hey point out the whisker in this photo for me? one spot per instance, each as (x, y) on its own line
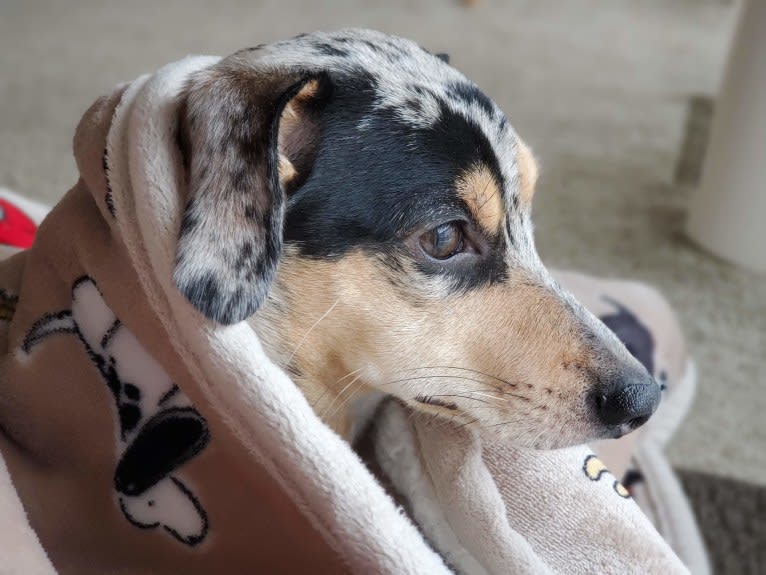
(467, 423)
(459, 377)
(538, 436)
(491, 396)
(327, 389)
(421, 377)
(339, 394)
(496, 378)
(346, 401)
(492, 195)
(305, 335)
(455, 395)
(508, 422)
(488, 406)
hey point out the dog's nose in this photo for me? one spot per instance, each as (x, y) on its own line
(629, 404)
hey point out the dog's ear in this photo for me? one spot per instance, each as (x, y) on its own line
(248, 137)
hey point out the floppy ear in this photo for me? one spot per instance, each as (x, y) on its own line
(247, 135)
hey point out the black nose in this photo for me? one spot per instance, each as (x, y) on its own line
(628, 405)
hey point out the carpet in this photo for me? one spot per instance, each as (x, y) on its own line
(732, 518)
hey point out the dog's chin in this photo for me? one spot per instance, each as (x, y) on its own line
(617, 431)
(546, 441)
(540, 434)
(549, 438)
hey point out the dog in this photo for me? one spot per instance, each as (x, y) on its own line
(367, 209)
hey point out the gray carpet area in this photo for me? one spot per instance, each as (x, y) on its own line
(732, 518)
(600, 90)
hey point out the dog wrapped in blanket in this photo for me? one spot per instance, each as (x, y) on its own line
(344, 208)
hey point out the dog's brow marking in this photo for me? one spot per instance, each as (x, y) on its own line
(528, 171)
(495, 215)
(305, 335)
(479, 190)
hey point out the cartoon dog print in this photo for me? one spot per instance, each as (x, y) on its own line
(159, 429)
(636, 337)
(595, 469)
(639, 341)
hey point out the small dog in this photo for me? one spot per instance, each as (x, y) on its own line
(367, 209)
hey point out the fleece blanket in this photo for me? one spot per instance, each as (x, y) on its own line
(138, 437)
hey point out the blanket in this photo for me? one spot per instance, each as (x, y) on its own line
(136, 436)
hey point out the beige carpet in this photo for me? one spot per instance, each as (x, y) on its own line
(600, 89)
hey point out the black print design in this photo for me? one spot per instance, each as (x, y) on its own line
(159, 429)
(632, 478)
(635, 335)
(109, 197)
(8, 304)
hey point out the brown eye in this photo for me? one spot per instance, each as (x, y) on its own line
(443, 241)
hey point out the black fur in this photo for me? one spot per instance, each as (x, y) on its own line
(372, 187)
(470, 93)
(372, 176)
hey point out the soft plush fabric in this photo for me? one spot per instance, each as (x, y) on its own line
(140, 437)
(645, 322)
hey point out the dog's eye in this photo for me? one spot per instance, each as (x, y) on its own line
(444, 241)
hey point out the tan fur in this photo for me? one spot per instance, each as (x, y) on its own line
(308, 92)
(510, 355)
(291, 116)
(528, 172)
(286, 170)
(480, 192)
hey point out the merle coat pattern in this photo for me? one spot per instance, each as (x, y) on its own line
(367, 209)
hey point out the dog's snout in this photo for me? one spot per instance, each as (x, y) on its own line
(628, 404)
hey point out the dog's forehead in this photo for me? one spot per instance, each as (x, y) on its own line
(415, 85)
(404, 124)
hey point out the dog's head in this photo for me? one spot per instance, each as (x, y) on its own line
(375, 205)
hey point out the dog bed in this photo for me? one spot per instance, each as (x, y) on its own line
(136, 436)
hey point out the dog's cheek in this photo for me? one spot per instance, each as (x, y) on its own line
(499, 347)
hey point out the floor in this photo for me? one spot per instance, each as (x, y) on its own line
(732, 518)
(599, 89)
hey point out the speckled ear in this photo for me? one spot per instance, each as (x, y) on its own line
(238, 164)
